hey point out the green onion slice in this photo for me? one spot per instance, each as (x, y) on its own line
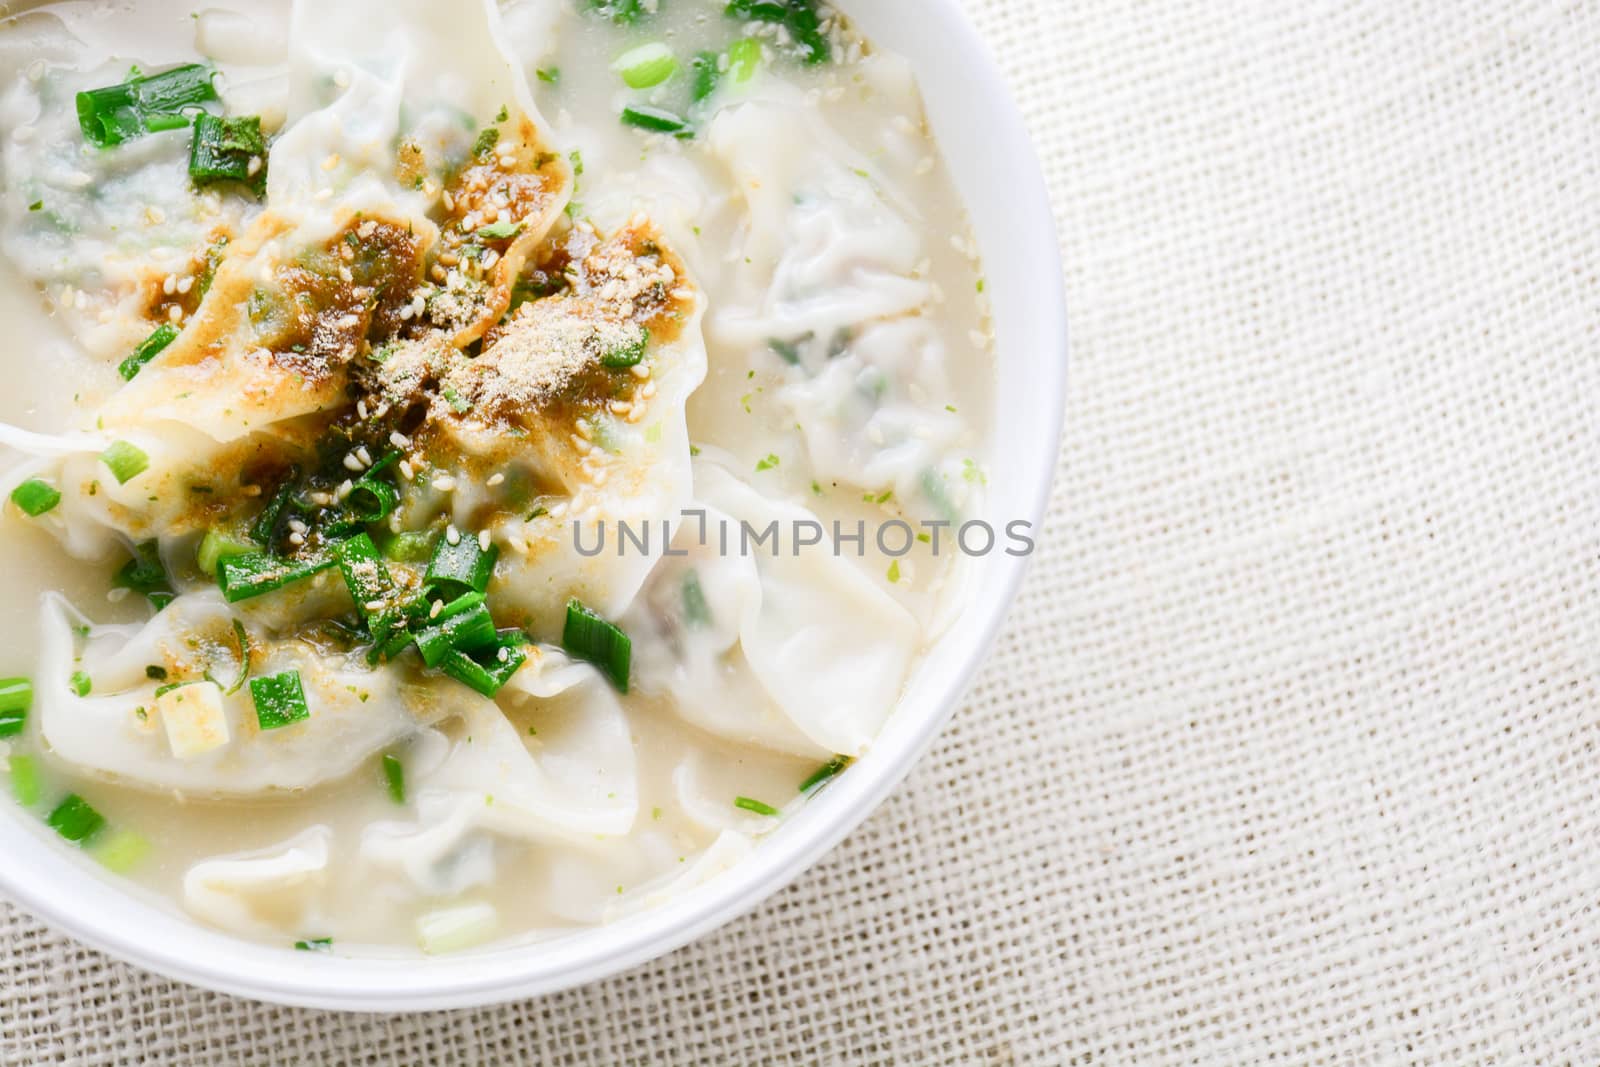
(16, 697)
(756, 806)
(25, 782)
(280, 700)
(148, 349)
(80, 683)
(707, 73)
(126, 461)
(394, 775)
(654, 119)
(465, 566)
(314, 944)
(488, 672)
(35, 497)
(122, 851)
(74, 819)
(647, 66)
(145, 104)
(365, 574)
(256, 574)
(217, 546)
(744, 59)
(591, 638)
(464, 625)
(825, 774)
(229, 150)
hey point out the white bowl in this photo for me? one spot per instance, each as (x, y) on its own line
(988, 151)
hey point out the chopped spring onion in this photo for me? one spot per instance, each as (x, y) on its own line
(465, 566)
(35, 497)
(744, 59)
(314, 944)
(25, 784)
(756, 806)
(144, 104)
(654, 119)
(499, 231)
(629, 354)
(266, 524)
(788, 351)
(696, 612)
(452, 929)
(121, 852)
(394, 775)
(487, 672)
(647, 66)
(280, 700)
(243, 577)
(707, 67)
(799, 17)
(148, 349)
(80, 683)
(825, 774)
(589, 637)
(464, 625)
(217, 546)
(16, 697)
(229, 150)
(74, 819)
(365, 574)
(411, 546)
(125, 460)
(372, 499)
(146, 574)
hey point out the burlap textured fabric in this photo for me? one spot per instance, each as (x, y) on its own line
(1291, 752)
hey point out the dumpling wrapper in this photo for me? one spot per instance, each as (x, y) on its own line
(576, 780)
(262, 892)
(103, 733)
(829, 648)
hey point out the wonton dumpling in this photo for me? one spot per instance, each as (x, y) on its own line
(875, 416)
(355, 712)
(574, 780)
(830, 649)
(837, 243)
(263, 891)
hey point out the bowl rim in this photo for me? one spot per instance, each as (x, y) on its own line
(94, 910)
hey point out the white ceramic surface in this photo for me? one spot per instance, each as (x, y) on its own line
(989, 153)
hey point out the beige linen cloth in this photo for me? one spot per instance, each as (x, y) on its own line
(1291, 750)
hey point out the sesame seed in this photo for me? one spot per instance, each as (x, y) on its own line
(438, 606)
(351, 463)
(186, 284)
(374, 605)
(483, 540)
(407, 470)
(444, 483)
(169, 285)
(367, 229)
(495, 479)
(399, 440)
(452, 535)
(297, 539)
(364, 456)
(346, 487)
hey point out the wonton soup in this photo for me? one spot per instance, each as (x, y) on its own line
(472, 470)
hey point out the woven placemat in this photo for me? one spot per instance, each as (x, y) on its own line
(1289, 753)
